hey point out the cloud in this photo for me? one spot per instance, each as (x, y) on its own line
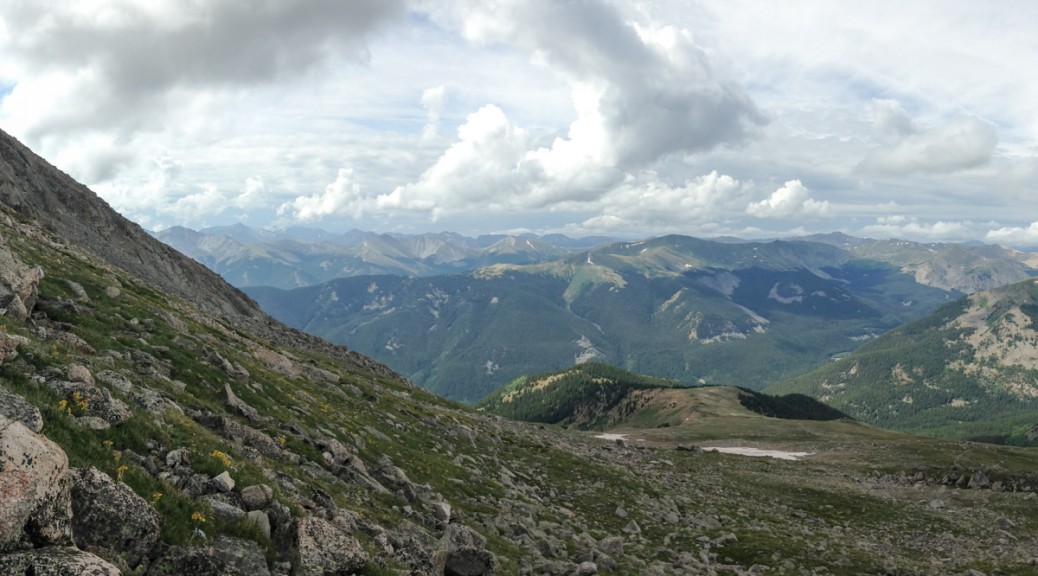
(902, 226)
(905, 148)
(640, 94)
(791, 200)
(1014, 235)
(433, 102)
(340, 197)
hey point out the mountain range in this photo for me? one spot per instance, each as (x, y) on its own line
(296, 257)
(720, 312)
(154, 421)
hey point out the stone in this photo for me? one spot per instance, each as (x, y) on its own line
(632, 528)
(612, 546)
(79, 373)
(113, 292)
(324, 549)
(78, 291)
(34, 488)
(8, 347)
(111, 519)
(223, 510)
(256, 497)
(115, 380)
(223, 482)
(979, 480)
(237, 405)
(936, 503)
(56, 561)
(225, 557)
(19, 409)
(587, 569)
(261, 521)
(442, 511)
(462, 553)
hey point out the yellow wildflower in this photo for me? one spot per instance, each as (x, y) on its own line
(197, 517)
(155, 498)
(119, 472)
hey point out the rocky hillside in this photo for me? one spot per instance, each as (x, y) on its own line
(967, 370)
(46, 196)
(145, 433)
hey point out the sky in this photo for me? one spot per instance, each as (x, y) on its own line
(912, 119)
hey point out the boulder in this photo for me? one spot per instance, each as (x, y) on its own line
(56, 561)
(261, 521)
(462, 553)
(238, 406)
(111, 519)
(226, 557)
(257, 496)
(19, 409)
(8, 347)
(223, 482)
(34, 489)
(324, 549)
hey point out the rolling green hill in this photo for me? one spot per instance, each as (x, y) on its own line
(595, 395)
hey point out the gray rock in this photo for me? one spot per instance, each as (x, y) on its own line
(8, 347)
(979, 480)
(115, 380)
(612, 546)
(324, 549)
(178, 458)
(237, 405)
(34, 488)
(632, 528)
(109, 517)
(587, 569)
(257, 496)
(78, 291)
(223, 482)
(226, 557)
(261, 521)
(462, 553)
(223, 510)
(79, 373)
(56, 561)
(442, 511)
(19, 409)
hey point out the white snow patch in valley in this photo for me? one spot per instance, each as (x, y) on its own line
(780, 454)
(611, 436)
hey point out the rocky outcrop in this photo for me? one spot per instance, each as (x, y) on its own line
(19, 409)
(34, 489)
(19, 284)
(324, 549)
(110, 519)
(56, 561)
(225, 557)
(463, 553)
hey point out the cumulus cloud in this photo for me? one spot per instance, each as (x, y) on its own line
(640, 93)
(791, 200)
(902, 226)
(905, 148)
(1014, 235)
(340, 197)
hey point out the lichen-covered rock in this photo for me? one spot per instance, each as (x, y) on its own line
(19, 409)
(226, 557)
(8, 347)
(462, 553)
(34, 488)
(56, 561)
(110, 518)
(324, 549)
(257, 496)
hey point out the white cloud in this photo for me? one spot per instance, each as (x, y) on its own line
(1014, 235)
(433, 100)
(905, 148)
(791, 200)
(340, 197)
(902, 226)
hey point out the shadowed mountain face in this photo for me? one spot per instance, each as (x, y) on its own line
(42, 193)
